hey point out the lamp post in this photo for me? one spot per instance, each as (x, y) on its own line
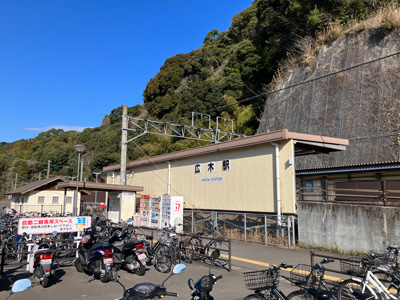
(79, 148)
(95, 196)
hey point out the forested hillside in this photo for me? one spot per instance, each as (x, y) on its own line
(225, 77)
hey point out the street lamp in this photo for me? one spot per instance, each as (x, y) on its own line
(97, 174)
(79, 148)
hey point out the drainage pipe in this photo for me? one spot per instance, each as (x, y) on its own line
(277, 184)
(169, 178)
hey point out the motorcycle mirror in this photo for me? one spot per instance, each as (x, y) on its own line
(21, 285)
(179, 268)
(191, 283)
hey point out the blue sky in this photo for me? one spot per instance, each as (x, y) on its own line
(67, 63)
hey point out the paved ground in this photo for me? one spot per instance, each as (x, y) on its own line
(69, 284)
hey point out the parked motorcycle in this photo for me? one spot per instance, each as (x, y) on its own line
(130, 255)
(96, 258)
(203, 287)
(146, 290)
(42, 264)
(41, 261)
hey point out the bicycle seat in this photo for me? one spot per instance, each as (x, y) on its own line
(320, 295)
(200, 233)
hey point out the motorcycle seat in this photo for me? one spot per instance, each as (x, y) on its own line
(132, 244)
(118, 244)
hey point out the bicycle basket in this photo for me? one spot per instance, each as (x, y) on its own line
(352, 266)
(384, 257)
(260, 280)
(163, 237)
(300, 274)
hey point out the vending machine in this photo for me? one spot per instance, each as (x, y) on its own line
(166, 210)
(176, 211)
(155, 212)
(144, 210)
(171, 210)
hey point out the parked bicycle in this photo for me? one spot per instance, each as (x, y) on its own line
(168, 251)
(311, 281)
(369, 286)
(203, 251)
(265, 283)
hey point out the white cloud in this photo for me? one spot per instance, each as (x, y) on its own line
(64, 127)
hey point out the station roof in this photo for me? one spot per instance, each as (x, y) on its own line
(366, 167)
(39, 184)
(93, 186)
(305, 144)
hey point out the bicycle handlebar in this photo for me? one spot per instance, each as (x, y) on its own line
(327, 260)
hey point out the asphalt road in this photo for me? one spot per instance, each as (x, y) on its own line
(69, 284)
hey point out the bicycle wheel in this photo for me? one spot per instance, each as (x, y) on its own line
(352, 290)
(300, 295)
(188, 255)
(163, 259)
(222, 247)
(198, 248)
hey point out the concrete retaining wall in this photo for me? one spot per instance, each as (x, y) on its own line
(348, 227)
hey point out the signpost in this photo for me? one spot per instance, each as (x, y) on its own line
(49, 225)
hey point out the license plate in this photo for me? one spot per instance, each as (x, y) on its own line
(142, 256)
(108, 261)
(45, 261)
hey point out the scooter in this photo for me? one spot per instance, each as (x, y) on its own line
(146, 290)
(203, 287)
(41, 262)
(95, 258)
(128, 254)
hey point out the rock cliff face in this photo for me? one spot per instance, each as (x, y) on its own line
(352, 91)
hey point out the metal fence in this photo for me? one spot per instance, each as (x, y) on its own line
(373, 192)
(248, 227)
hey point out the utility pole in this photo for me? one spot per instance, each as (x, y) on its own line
(124, 139)
(15, 183)
(95, 195)
(48, 168)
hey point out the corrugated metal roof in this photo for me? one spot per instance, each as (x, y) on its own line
(273, 136)
(34, 185)
(366, 167)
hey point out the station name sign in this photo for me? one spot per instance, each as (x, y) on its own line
(213, 179)
(49, 225)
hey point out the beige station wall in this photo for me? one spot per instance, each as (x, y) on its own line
(248, 186)
(30, 202)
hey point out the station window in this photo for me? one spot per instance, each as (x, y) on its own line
(55, 200)
(41, 199)
(68, 200)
